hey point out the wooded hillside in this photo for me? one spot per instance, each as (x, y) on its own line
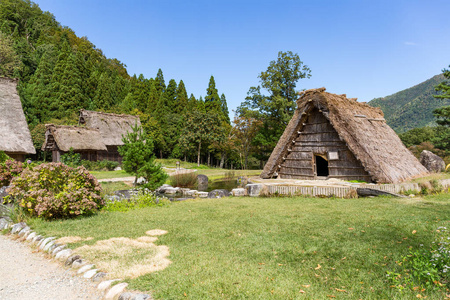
(61, 73)
(413, 107)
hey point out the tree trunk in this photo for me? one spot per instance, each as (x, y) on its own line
(160, 153)
(198, 153)
(222, 160)
(209, 159)
(246, 161)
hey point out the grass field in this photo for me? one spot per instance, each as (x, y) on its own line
(272, 248)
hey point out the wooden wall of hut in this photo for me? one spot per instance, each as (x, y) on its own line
(112, 154)
(318, 152)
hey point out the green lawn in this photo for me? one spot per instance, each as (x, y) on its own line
(109, 174)
(273, 248)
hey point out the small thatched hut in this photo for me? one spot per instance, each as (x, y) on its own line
(111, 127)
(15, 137)
(331, 136)
(60, 139)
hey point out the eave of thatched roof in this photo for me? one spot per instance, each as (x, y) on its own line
(365, 132)
(112, 127)
(78, 138)
(15, 136)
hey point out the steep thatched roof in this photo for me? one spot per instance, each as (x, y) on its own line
(78, 138)
(15, 136)
(111, 126)
(364, 130)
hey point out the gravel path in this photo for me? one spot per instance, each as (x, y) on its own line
(26, 274)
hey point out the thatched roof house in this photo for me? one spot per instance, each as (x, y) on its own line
(15, 137)
(111, 126)
(331, 136)
(60, 139)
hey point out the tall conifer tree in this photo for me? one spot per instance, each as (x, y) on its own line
(212, 99)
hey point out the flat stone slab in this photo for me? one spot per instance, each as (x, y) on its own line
(104, 285)
(64, 254)
(85, 268)
(115, 291)
(219, 193)
(254, 189)
(201, 194)
(89, 274)
(238, 192)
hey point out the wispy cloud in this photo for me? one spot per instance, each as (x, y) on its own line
(409, 43)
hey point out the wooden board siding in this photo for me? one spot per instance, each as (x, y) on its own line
(112, 154)
(318, 137)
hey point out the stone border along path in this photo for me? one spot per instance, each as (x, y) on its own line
(105, 288)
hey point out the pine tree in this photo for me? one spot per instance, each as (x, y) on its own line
(169, 96)
(192, 103)
(181, 99)
(160, 83)
(225, 111)
(36, 95)
(138, 158)
(104, 98)
(212, 99)
(201, 105)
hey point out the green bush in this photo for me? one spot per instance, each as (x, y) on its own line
(8, 170)
(3, 157)
(71, 159)
(142, 199)
(54, 190)
(104, 165)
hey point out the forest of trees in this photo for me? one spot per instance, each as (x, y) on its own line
(60, 73)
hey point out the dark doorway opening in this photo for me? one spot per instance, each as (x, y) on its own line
(321, 166)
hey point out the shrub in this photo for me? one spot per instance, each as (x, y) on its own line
(108, 165)
(104, 165)
(8, 170)
(71, 159)
(54, 190)
(3, 157)
(186, 180)
(144, 198)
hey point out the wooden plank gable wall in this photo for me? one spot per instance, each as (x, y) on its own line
(318, 146)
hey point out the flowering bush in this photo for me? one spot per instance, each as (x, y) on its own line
(54, 190)
(8, 170)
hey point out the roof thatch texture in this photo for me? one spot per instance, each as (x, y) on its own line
(364, 130)
(111, 126)
(78, 138)
(15, 136)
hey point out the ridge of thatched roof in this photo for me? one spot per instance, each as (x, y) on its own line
(111, 126)
(364, 130)
(15, 135)
(78, 138)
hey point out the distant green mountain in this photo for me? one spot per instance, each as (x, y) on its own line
(413, 107)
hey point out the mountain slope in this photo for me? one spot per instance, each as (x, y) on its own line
(413, 107)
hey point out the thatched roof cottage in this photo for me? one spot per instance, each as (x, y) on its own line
(112, 128)
(331, 136)
(15, 137)
(97, 139)
(61, 139)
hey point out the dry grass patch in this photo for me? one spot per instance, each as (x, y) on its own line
(127, 258)
(156, 232)
(72, 239)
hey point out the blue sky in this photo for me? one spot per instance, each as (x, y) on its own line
(365, 49)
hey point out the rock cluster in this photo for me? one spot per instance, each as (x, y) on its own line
(74, 261)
